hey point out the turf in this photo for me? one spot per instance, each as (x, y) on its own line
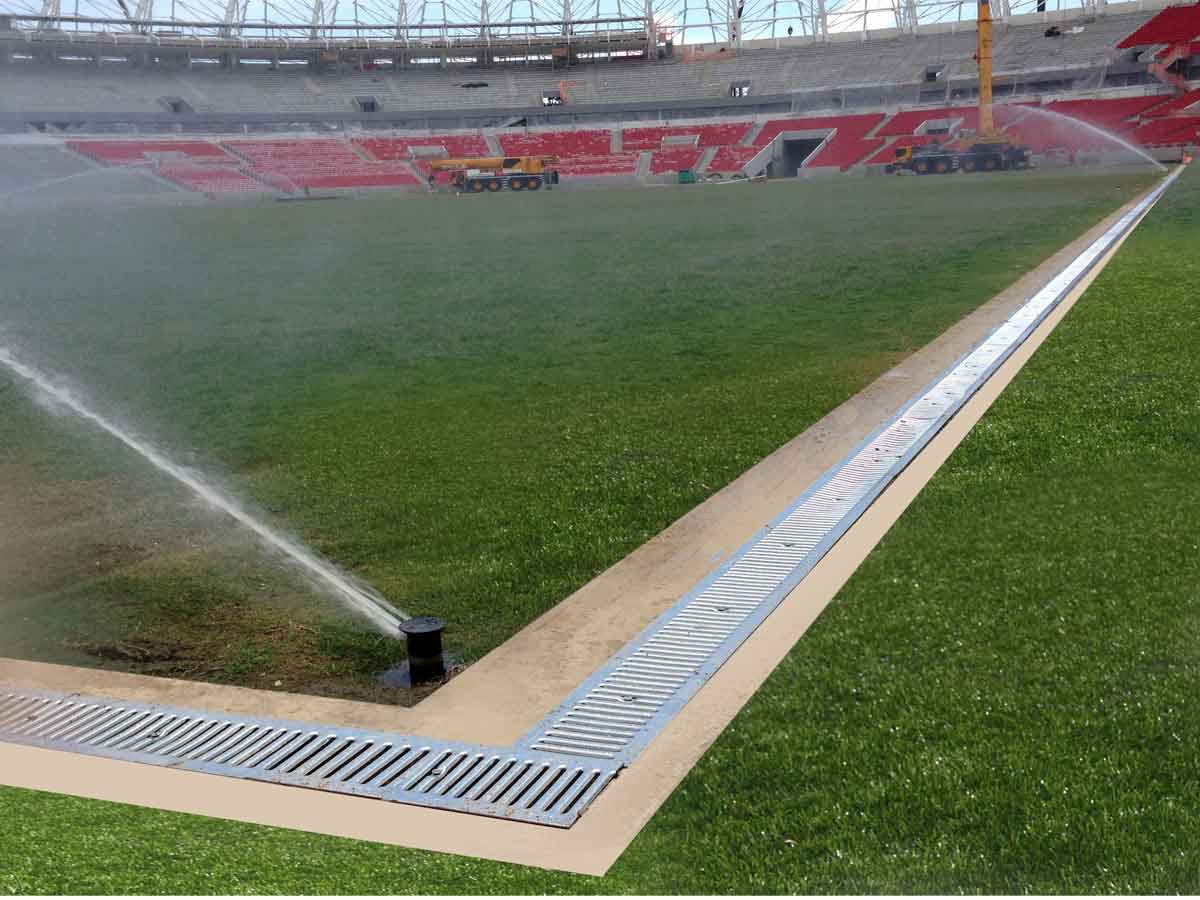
(1002, 699)
(474, 405)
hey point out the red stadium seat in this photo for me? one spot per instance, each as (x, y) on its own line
(320, 163)
(715, 135)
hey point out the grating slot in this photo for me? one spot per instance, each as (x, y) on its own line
(180, 735)
(101, 730)
(264, 741)
(353, 751)
(574, 731)
(211, 729)
(542, 785)
(407, 758)
(553, 746)
(490, 780)
(353, 774)
(131, 736)
(553, 798)
(433, 768)
(239, 737)
(575, 791)
(465, 767)
(17, 709)
(502, 784)
(333, 749)
(163, 732)
(522, 785)
(299, 740)
(211, 736)
(310, 751)
(74, 727)
(66, 719)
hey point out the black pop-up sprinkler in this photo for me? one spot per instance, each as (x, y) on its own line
(423, 635)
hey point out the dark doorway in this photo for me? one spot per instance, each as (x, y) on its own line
(795, 152)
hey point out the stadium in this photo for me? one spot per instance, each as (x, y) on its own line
(673, 448)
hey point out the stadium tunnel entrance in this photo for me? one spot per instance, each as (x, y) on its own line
(790, 149)
(793, 152)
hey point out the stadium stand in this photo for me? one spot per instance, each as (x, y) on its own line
(1173, 25)
(401, 148)
(846, 63)
(720, 135)
(211, 179)
(564, 144)
(318, 164)
(1110, 114)
(674, 159)
(1178, 104)
(623, 164)
(731, 160)
(1168, 132)
(123, 153)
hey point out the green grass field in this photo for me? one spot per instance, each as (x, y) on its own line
(1002, 699)
(474, 405)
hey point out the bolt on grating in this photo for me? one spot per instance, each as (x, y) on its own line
(553, 774)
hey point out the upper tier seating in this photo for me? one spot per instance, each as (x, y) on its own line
(319, 164)
(722, 135)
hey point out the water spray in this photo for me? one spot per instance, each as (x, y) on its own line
(1097, 130)
(366, 603)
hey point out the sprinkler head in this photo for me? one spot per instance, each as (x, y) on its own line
(423, 636)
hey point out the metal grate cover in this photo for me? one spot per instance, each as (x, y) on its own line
(529, 787)
(558, 769)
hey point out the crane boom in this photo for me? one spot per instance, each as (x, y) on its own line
(983, 54)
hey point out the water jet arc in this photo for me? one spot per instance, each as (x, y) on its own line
(375, 609)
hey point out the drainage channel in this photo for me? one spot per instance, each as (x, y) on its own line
(555, 771)
(548, 789)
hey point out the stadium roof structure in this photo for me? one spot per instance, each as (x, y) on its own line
(443, 23)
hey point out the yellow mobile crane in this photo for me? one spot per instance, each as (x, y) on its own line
(988, 149)
(494, 173)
